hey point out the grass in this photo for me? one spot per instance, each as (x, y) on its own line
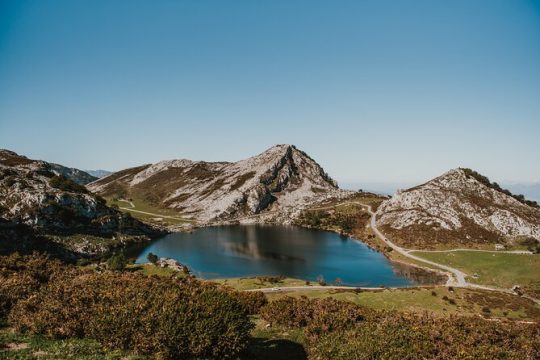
(174, 218)
(260, 283)
(467, 301)
(19, 346)
(274, 342)
(149, 270)
(496, 269)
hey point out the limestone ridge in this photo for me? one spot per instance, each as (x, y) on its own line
(10, 158)
(280, 180)
(458, 208)
(33, 196)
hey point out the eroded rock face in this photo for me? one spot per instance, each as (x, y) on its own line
(277, 181)
(10, 158)
(455, 208)
(29, 196)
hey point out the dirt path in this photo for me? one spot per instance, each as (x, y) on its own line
(458, 278)
(312, 287)
(519, 252)
(132, 208)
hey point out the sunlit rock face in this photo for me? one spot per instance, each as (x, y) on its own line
(456, 208)
(30, 197)
(272, 186)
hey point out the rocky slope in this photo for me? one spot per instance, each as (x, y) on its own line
(272, 186)
(34, 201)
(459, 208)
(10, 158)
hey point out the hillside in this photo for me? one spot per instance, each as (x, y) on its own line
(10, 158)
(37, 203)
(272, 186)
(459, 208)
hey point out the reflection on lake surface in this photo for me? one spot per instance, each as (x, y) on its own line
(241, 251)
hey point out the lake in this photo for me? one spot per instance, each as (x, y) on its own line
(255, 250)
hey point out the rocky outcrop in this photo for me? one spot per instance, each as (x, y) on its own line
(10, 158)
(456, 209)
(33, 197)
(271, 186)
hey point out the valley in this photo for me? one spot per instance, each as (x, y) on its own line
(274, 229)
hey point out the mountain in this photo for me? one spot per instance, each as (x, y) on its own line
(461, 207)
(98, 173)
(272, 185)
(10, 158)
(34, 198)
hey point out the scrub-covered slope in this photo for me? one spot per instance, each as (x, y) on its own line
(34, 198)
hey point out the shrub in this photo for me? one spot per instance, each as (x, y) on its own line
(288, 311)
(324, 314)
(251, 301)
(271, 279)
(21, 276)
(117, 262)
(62, 183)
(153, 258)
(342, 330)
(150, 315)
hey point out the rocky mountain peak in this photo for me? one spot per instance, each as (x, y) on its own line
(461, 206)
(281, 177)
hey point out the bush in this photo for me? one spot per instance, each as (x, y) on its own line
(394, 336)
(117, 262)
(21, 276)
(251, 301)
(325, 314)
(153, 258)
(288, 311)
(150, 315)
(342, 330)
(62, 183)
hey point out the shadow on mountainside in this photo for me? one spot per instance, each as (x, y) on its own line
(263, 349)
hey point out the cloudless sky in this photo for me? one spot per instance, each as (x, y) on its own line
(391, 91)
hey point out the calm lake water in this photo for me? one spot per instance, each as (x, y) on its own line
(242, 251)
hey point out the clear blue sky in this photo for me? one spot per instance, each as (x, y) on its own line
(396, 91)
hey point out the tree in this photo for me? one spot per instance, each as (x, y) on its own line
(153, 258)
(320, 280)
(338, 281)
(117, 262)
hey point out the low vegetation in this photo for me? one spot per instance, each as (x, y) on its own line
(485, 181)
(57, 310)
(62, 183)
(337, 330)
(165, 317)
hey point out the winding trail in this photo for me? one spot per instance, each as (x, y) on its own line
(132, 208)
(458, 278)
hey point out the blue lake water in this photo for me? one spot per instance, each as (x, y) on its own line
(242, 251)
